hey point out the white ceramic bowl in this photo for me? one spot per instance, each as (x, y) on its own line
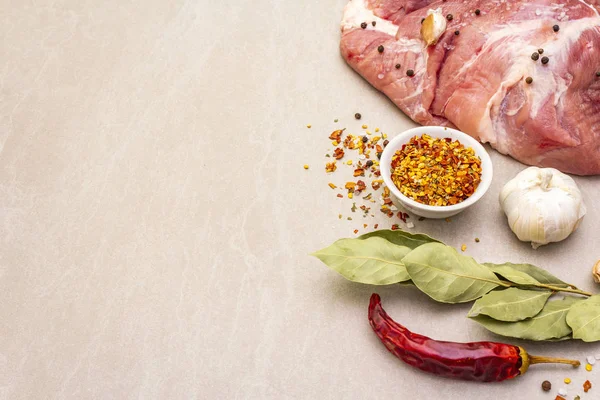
(436, 132)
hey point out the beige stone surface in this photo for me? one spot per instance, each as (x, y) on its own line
(156, 220)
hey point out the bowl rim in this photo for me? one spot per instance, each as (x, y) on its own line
(396, 142)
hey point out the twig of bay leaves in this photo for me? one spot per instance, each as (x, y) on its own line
(511, 299)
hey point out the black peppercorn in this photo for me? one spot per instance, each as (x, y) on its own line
(380, 48)
(365, 139)
(477, 12)
(457, 33)
(545, 60)
(357, 116)
(541, 51)
(529, 80)
(535, 56)
(374, 23)
(363, 25)
(369, 163)
(556, 28)
(410, 72)
(449, 17)
(398, 66)
(546, 386)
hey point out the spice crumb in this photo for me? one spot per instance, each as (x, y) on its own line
(309, 126)
(577, 398)
(588, 367)
(376, 226)
(448, 220)
(331, 185)
(336, 120)
(477, 240)
(567, 380)
(355, 231)
(305, 166)
(587, 386)
(463, 247)
(364, 126)
(477, 12)
(339, 216)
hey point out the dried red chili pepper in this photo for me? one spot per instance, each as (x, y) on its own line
(477, 361)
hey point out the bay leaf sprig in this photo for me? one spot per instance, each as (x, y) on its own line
(510, 299)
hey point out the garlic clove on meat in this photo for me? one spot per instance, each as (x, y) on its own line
(542, 205)
(433, 26)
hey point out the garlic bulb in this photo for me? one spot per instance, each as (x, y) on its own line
(433, 26)
(543, 205)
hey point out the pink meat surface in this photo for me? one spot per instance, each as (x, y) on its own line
(476, 80)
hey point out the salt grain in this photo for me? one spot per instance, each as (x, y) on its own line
(562, 392)
(591, 360)
(410, 225)
(380, 76)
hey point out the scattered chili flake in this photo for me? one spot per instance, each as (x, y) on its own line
(395, 227)
(546, 386)
(350, 185)
(587, 386)
(436, 172)
(338, 153)
(331, 185)
(337, 134)
(363, 25)
(357, 116)
(529, 80)
(330, 167)
(355, 231)
(463, 247)
(340, 196)
(477, 240)
(360, 185)
(545, 60)
(477, 12)
(376, 226)
(305, 166)
(559, 397)
(359, 172)
(365, 225)
(556, 28)
(535, 56)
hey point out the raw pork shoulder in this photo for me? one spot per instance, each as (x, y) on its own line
(474, 78)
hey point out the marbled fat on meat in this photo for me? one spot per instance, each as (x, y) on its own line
(475, 81)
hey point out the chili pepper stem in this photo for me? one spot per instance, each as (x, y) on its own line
(552, 360)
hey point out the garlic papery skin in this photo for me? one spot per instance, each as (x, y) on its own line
(543, 205)
(433, 26)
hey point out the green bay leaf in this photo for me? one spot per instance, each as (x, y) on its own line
(511, 304)
(584, 319)
(446, 276)
(526, 274)
(373, 261)
(401, 238)
(549, 324)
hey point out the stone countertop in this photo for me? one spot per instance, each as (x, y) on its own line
(156, 218)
